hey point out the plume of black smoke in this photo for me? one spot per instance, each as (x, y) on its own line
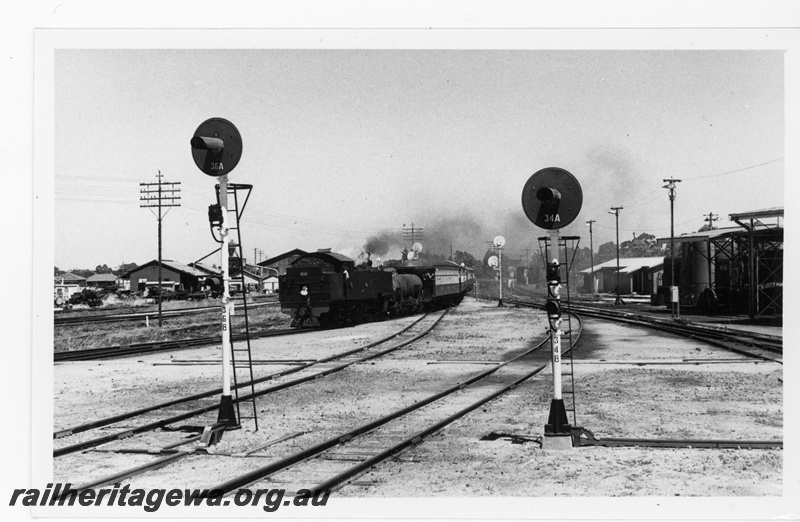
(609, 177)
(459, 231)
(381, 243)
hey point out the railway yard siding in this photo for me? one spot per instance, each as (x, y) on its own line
(630, 382)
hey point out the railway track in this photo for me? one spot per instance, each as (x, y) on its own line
(139, 316)
(124, 350)
(309, 371)
(352, 452)
(751, 344)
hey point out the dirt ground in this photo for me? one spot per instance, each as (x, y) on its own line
(629, 382)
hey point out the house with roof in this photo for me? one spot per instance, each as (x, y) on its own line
(252, 281)
(174, 276)
(637, 275)
(105, 281)
(269, 284)
(70, 278)
(66, 285)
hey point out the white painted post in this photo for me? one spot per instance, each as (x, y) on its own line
(500, 269)
(226, 280)
(555, 325)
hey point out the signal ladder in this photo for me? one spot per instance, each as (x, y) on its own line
(241, 357)
(568, 369)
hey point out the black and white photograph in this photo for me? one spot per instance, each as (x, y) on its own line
(408, 273)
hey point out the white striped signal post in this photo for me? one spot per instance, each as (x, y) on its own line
(227, 307)
(499, 243)
(216, 149)
(552, 199)
(553, 309)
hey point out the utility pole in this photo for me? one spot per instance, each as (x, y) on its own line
(412, 233)
(675, 304)
(527, 263)
(162, 194)
(257, 255)
(615, 211)
(591, 252)
(710, 220)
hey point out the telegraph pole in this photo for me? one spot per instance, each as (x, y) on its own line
(710, 220)
(675, 304)
(412, 233)
(615, 211)
(591, 251)
(162, 194)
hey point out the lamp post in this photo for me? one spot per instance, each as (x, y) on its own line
(591, 253)
(499, 242)
(615, 211)
(675, 304)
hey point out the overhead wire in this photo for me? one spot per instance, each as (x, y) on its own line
(733, 171)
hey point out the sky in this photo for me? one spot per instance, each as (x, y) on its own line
(346, 147)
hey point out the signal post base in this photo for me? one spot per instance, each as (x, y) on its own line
(557, 431)
(227, 413)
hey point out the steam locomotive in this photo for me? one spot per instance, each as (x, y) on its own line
(324, 288)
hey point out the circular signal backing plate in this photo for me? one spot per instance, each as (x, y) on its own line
(417, 247)
(499, 241)
(492, 261)
(217, 163)
(543, 208)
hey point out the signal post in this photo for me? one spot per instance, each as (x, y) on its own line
(552, 199)
(216, 149)
(227, 413)
(557, 422)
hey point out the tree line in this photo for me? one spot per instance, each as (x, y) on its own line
(643, 245)
(99, 269)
